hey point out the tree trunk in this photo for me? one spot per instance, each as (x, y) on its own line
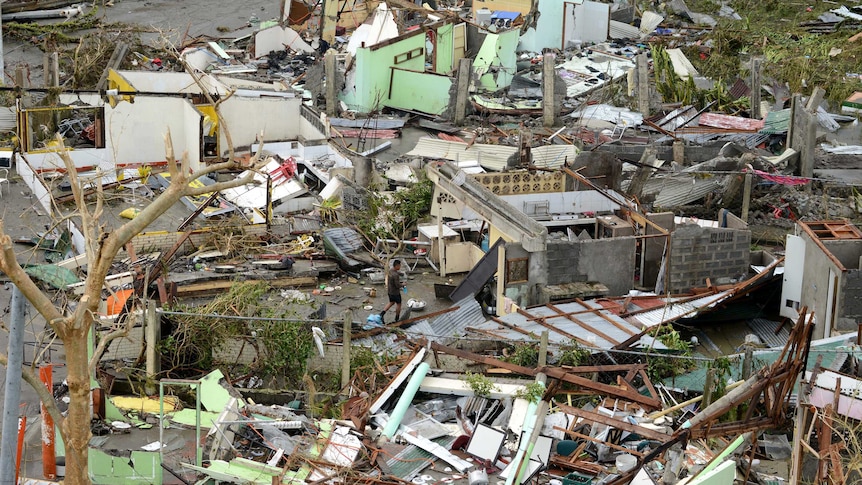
(77, 422)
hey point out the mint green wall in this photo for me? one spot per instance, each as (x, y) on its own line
(420, 91)
(445, 45)
(108, 469)
(368, 85)
(497, 52)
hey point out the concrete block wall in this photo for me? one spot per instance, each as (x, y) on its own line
(562, 260)
(129, 347)
(851, 302)
(609, 261)
(698, 253)
(163, 240)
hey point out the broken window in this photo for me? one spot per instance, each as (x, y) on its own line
(79, 127)
(516, 270)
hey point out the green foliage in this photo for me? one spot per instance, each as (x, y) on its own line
(391, 215)
(282, 340)
(676, 90)
(658, 367)
(532, 392)
(722, 368)
(573, 355)
(771, 29)
(524, 354)
(481, 385)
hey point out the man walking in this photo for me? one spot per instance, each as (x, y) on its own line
(393, 288)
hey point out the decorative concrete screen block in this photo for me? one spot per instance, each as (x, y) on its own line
(522, 182)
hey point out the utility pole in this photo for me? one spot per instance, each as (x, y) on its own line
(12, 393)
(2, 57)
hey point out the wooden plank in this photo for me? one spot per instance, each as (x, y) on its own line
(221, 285)
(585, 325)
(556, 373)
(615, 423)
(610, 320)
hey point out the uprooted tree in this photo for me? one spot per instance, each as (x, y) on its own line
(102, 246)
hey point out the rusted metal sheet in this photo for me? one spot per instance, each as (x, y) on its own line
(728, 122)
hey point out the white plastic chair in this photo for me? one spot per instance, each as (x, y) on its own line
(4, 179)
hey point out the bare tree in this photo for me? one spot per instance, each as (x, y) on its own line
(102, 246)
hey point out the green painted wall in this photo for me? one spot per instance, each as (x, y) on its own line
(368, 88)
(145, 468)
(496, 60)
(444, 49)
(420, 91)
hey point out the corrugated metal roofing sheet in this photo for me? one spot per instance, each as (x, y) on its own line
(765, 330)
(680, 190)
(676, 308)
(589, 324)
(442, 329)
(553, 156)
(777, 122)
(621, 30)
(412, 460)
(491, 157)
(829, 350)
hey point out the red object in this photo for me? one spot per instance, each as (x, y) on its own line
(49, 460)
(444, 136)
(285, 171)
(22, 426)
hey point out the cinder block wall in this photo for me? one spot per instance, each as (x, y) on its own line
(610, 261)
(698, 253)
(562, 260)
(164, 240)
(851, 301)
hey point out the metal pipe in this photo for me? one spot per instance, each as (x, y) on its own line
(406, 399)
(12, 394)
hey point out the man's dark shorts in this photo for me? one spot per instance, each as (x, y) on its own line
(396, 298)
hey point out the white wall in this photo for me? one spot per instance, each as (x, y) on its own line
(135, 131)
(87, 159)
(245, 118)
(26, 169)
(168, 82)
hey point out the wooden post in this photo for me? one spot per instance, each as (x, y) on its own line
(543, 349)
(462, 94)
(679, 152)
(51, 69)
(345, 342)
(755, 87)
(746, 197)
(549, 108)
(707, 387)
(20, 77)
(153, 331)
(501, 277)
(747, 362)
(441, 248)
(642, 70)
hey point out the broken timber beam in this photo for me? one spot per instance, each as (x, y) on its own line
(216, 286)
(565, 375)
(615, 423)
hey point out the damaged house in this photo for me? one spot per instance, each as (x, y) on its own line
(564, 244)
(824, 273)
